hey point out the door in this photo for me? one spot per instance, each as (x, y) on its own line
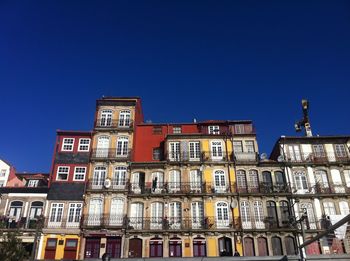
(135, 248)
(267, 181)
(175, 248)
(220, 181)
(248, 246)
(136, 215)
(99, 177)
(225, 246)
(262, 246)
(216, 150)
(276, 246)
(156, 248)
(197, 215)
(222, 215)
(95, 212)
(194, 151)
(102, 147)
(124, 118)
(122, 146)
(50, 249)
(70, 249)
(175, 215)
(157, 215)
(92, 248)
(174, 181)
(199, 247)
(114, 247)
(138, 182)
(195, 180)
(117, 212)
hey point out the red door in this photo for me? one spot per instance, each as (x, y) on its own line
(175, 248)
(70, 249)
(249, 246)
(199, 248)
(92, 248)
(262, 246)
(50, 249)
(114, 246)
(135, 247)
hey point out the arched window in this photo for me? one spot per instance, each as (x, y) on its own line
(119, 177)
(272, 214)
(285, 213)
(248, 246)
(267, 182)
(106, 118)
(117, 212)
(276, 245)
(122, 146)
(100, 174)
(245, 215)
(174, 181)
(321, 181)
(241, 181)
(95, 212)
(290, 245)
(36, 209)
(175, 215)
(222, 215)
(157, 213)
(102, 147)
(253, 181)
(300, 180)
(136, 215)
(262, 246)
(124, 118)
(220, 181)
(259, 215)
(16, 210)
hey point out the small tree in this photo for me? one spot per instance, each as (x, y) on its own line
(11, 248)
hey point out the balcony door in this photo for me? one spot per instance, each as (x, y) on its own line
(102, 147)
(197, 215)
(136, 215)
(294, 153)
(137, 182)
(122, 146)
(174, 184)
(157, 210)
(220, 181)
(16, 211)
(308, 209)
(222, 215)
(117, 212)
(174, 151)
(216, 150)
(194, 151)
(106, 118)
(95, 212)
(99, 177)
(124, 118)
(195, 180)
(259, 215)
(175, 215)
(245, 215)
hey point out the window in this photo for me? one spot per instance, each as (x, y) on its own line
(329, 208)
(56, 212)
(67, 144)
(122, 146)
(241, 181)
(16, 210)
(344, 208)
(249, 146)
(340, 150)
(156, 154)
(197, 214)
(222, 217)
(347, 177)
(253, 180)
(319, 151)
(321, 178)
(177, 130)
(136, 215)
(157, 210)
(245, 214)
(259, 214)
(2, 183)
(194, 150)
(237, 146)
(119, 177)
(84, 144)
(74, 212)
(174, 184)
(272, 213)
(124, 118)
(175, 215)
(36, 209)
(216, 150)
(117, 212)
(300, 180)
(239, 129)
(157, 129)
(99, 177)
(33, 183)
(196, 180)
(72, 243)
(174, 151)
(62, 173)
(285, 212)
(220, 182)
(3, 173)
(294, 152)
(102, 147)
(106, 118)
(79, 173)
(95, 212)
(213, 129)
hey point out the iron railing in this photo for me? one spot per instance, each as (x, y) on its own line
(107, 184)
(18, 223)
(104, 221)
(118, 123)
(111, 154)
(264, 188)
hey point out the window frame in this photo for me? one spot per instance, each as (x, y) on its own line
(64, 141)
(33, 183)
(58, 172)
(75, 173)
(80, 144)
(214, 129)
(177, 130)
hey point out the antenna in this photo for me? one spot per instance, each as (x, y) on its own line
(280, 158)
(304, 122)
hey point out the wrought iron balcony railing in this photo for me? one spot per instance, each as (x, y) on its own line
(104, 221)
(22, 223)
(59, 222)
(104, 123)
(106, 184)
(245, 156)
(111, 154)
(186, 156)
(320, 189)
(264, 188)
(318, 158)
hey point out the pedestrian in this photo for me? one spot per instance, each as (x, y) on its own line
(236, 253)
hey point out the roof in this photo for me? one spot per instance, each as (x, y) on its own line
(73, 132)
(26, 190)
(66, 191)
(195, 123)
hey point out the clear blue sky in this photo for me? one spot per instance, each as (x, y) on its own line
(185, 59)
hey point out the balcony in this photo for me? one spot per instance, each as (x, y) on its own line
(178, 188)
(265, 188)
(246, 157)
(318, 158)
(110, 154)
(106, 124)
(106, 184)
(319, 189)
(204, 156)
(178, 223)
(23, 223)
(104, 221)
(265, 223)
(60, 223)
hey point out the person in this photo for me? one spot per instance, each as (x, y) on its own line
(106, 257)
(154, 184)
(236, 253)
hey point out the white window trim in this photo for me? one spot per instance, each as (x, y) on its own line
(75, 168)
(33, 183)
(58, 167)
(214, 129)
(63, 143)
(88, 145)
